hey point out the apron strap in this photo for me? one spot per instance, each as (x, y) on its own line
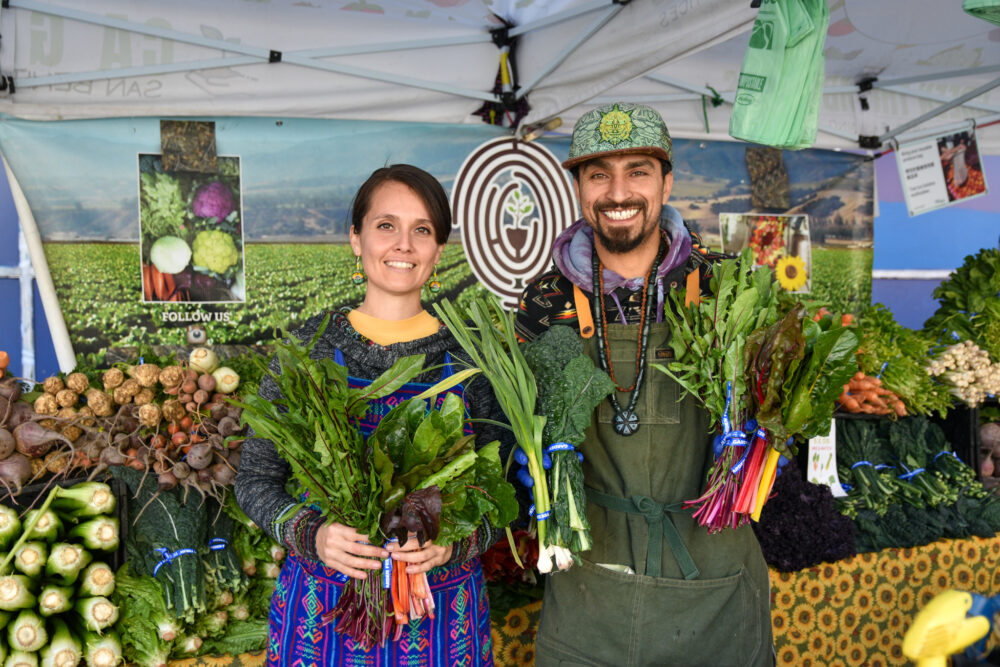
(692, 293)
(660, 526)
(338, 357)
(584, 315)
(449, 369)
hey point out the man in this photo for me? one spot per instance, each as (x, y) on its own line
(656, 589)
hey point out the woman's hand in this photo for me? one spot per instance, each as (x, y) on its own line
(419, 558)
(348, 551)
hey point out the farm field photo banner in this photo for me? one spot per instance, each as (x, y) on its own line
(289, 185)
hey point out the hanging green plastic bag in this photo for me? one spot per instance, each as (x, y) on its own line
(988, 10)
(780, 84)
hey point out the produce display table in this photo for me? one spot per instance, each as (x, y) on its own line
(851, 612)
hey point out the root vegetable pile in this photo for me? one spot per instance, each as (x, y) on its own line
(174, 422)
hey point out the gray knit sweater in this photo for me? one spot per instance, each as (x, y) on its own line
(263, 473)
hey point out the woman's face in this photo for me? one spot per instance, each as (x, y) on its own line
(396, 244)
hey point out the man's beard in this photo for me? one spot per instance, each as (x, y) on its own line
(620, 240)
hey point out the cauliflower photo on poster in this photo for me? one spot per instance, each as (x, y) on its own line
(191, 233)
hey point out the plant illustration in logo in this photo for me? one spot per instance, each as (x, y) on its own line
(518, 205)
(767, 240)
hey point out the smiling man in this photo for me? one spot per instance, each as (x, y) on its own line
(656, 588)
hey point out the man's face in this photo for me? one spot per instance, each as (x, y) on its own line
(621, 196)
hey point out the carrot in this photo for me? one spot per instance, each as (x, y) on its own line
(850, 403)
(159, 291)
(147, 283)
(4, 360)
(846, 320)
(401, 604)
(168, 284)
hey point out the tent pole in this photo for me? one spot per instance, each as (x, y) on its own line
(40, 266)
(385, 47)
(141, 29)
(958, 101)
(952, 74)
(558, 17)
(146, 70)
(569, 49)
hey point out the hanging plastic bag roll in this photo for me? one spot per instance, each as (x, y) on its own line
(778, 97)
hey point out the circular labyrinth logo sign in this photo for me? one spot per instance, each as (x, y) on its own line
(510, 201)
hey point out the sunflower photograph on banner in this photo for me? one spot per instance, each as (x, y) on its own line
(779, 242)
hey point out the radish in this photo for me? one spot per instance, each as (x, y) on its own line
(16, 470)
(35, 441)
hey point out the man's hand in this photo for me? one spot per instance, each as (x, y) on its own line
(348, 551)
(419, 558)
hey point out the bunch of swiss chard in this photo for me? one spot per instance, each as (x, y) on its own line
(570, 386)
(435, 484)
(767, 375)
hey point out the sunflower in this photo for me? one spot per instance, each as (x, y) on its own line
(962, 575)
(804, 618)
(870, 633)
(827, 620)
(791, 271)
(885, 594)
(789, 655)
(843, 587)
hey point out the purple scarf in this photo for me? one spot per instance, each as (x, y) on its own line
(572, 251)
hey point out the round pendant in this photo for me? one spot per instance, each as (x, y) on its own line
(625, 422)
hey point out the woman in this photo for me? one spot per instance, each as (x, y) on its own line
(400, 222)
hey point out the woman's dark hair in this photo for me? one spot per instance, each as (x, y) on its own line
(423, 184)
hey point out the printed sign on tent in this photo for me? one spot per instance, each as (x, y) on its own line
(191, 234)
(939, 170)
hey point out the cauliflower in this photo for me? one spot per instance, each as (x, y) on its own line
(215, 251)
(213, 200)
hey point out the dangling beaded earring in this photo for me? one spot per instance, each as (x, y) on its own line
(357, 277)
(434, 285)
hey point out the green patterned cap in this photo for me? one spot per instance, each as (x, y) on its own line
(621, 128)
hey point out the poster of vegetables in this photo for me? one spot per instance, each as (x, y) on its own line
(780, 242)
(191, 233)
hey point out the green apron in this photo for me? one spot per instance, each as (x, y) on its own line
(702, 602)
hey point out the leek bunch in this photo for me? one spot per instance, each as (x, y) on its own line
(492, 345)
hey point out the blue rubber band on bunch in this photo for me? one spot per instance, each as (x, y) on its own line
(387, 566)
(882, 370)
(945, 452)
(845, 486)
(542, 516)
(217, 543)
(911, 474)
(531, 509)
(861, 463)
(563, 447)
(167, 556)
(884, 466)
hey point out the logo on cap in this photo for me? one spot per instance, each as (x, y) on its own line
(616, 126)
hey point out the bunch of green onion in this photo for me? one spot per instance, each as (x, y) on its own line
(492, 345)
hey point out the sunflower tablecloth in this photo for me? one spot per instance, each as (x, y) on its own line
(852, 612)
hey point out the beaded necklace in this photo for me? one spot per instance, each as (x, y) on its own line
(625, 422)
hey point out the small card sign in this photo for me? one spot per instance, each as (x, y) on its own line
(822, 466)
(940, 170)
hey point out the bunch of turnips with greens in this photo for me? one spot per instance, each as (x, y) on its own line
(768, 375)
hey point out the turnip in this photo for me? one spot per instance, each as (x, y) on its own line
(7, 443)
(228, 426)
(226, 379)
(989, 435)
(199, 456)
(206, 382)
(34, 441)
(202, 360)
(20, 412)
(15, 470)
(223, 474)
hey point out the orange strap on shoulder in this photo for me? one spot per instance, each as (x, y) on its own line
(583, 313)
(693, 289)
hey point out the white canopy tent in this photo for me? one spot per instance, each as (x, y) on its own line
(436, 60)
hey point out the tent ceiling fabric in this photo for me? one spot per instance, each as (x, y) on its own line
(210, 58)
(45, 45)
